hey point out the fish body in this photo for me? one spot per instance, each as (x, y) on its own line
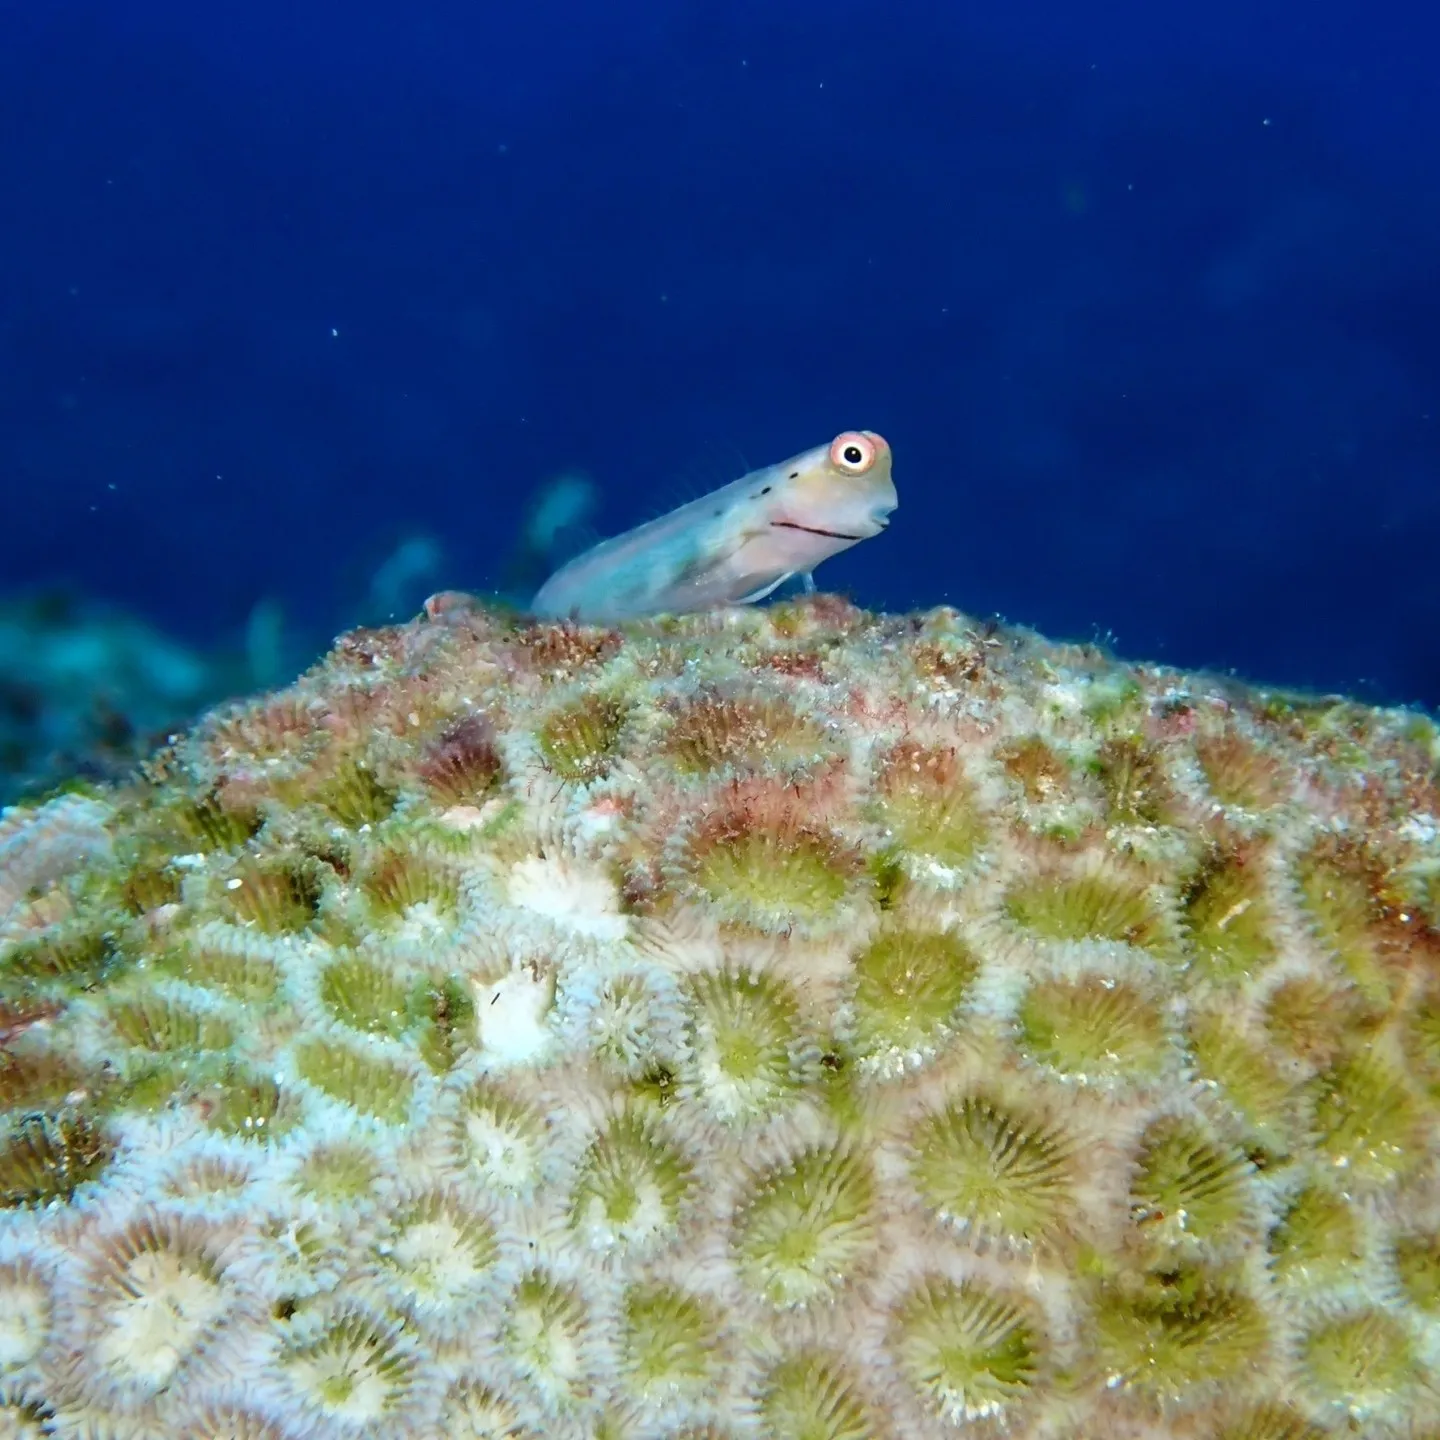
(738, 543)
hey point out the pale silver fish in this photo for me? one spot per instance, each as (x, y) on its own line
(736, 544)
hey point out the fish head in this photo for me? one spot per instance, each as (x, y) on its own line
(833, 496)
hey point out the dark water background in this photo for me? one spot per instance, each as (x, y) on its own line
(1146, 299)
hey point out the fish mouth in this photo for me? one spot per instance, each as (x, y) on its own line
(814, 530)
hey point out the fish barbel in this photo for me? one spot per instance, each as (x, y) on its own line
(738, 543)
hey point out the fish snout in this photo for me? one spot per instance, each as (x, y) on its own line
(883, 506)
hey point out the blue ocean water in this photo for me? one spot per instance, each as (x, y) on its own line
(1145, 299)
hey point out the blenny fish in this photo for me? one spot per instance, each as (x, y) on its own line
(737, 544)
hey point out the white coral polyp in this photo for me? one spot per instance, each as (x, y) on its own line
(437, 1264)
(161, 1309)
(580, 900)
(26, 1310)
(506, 1157)
(348, 1384)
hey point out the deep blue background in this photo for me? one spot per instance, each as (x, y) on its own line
(1147, 303)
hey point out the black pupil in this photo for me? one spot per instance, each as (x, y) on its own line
(853, 454)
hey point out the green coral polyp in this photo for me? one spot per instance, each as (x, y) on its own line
(276, 897)
(789, 876)
(47, 1157)
(159, 1294)
(1228, 919)
(357, 1372)
(669, 1345)
(580, 742)
(1137, 789)
(355, 797)
(1360, 1363)
(404, 887)
(373, 1087)
(969, 1353)
(625, 1023)
(993, 1170)
(1088, 907)
(1416, 1260)
(149, 887)
(630, 1187)
(1422, 1041)
(1094, 1028)
(1342, 910)
(157, 1023)
(1042, 775)
(439, 1254)
(741, 733)
(213, 825)
(341, 1174)
(75, 956)
(1188, 1186)
(811, 1397)
(1172, 1331)
(547, 1337)
(503, 1140)
(1238, 773)
(1366, 1120)
(248, 1104)
(238, 973)
(743, 1046)
(806, 1229)
(927, 806)
(365, 995)
(35, 1079)
(1309, 1017)
(445, 1010)
(1317, 1239)
(909, 988)
(1261, 1093)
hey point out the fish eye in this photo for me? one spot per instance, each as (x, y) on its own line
(852, 452)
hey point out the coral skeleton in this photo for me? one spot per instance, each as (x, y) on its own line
(797, 1024)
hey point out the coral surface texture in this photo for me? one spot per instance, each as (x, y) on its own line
(796, 1023)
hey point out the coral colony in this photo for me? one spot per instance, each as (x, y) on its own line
(802, 1024)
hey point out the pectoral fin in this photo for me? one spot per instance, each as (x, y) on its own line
(767, 589)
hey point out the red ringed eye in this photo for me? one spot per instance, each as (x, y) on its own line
(853, 452)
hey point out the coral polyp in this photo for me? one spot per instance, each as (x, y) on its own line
(462, 764)
(158, 1293)
(742, 733)
(630, 1188)
(806, 1228)
(760, 860)
(970, 1354)
(358, 1372)
(995, 1171)
(759, 1025)
(746, 1053)
(910, 986)
(927, 805)
(47, 1157)
(580, 740)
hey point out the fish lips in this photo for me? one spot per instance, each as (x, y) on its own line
(861, 528)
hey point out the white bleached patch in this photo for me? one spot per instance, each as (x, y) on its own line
(513, 1015)
(581, 900)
